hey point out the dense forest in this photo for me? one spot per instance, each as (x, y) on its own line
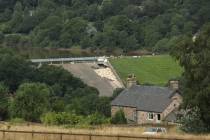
(126, 25)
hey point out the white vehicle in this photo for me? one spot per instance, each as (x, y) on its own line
(154, 131)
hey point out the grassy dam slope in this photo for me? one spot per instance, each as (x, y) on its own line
(155, 70)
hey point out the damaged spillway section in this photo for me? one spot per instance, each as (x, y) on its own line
(94, 71)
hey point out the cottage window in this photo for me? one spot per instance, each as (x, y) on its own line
(150, 116)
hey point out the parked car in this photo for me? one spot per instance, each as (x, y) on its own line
(154, 131)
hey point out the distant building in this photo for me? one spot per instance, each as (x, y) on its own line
(148, 104)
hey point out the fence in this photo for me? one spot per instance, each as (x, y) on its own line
(32, 135)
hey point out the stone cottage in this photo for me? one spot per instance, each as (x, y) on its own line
(148, 104)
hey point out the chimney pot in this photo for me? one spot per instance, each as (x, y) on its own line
(174, 84)
(131, 80)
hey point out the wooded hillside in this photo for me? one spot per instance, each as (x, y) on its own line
(100, 24)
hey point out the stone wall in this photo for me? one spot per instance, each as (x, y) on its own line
(143, 117)
(128, 111)
(176, 102)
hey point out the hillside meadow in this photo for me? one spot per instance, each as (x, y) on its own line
(155, 70)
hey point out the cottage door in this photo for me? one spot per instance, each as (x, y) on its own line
(158, 118)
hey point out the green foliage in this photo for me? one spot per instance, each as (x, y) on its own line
(71, 119)
(30, 102)
(17, 18)
(96, 119)
(17, 121)
(191, 122)
(82, 104)
(60, 91)
(14, 70)
(116, 93)
(62, 118)
(193, 55)
(4, 101)
(119, 118)
(123, 24)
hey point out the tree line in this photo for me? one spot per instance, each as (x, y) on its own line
(127, 25)
(33, 94)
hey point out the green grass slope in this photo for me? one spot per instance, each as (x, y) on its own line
(155, 70)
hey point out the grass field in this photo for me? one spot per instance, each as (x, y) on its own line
(155, 70)
(172, 132)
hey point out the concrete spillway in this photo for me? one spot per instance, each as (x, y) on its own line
(88, 69)
(89, 75)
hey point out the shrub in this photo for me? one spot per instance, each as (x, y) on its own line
(17, 120)
(30, 101)
(72, 119)
(192, 123)
(62, 118)
(119, 118)
(4, 101)
(96, 119)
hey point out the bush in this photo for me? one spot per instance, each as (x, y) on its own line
(1, 37)
(192, 123)
(4, 101)
(65, 118)
(119, 118)
(30, 101)
(96, 119)
(62, 118)
(17, 121)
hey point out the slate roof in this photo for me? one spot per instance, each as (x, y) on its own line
(145, 98)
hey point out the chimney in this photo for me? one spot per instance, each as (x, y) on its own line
(131, 80)
(174, 84)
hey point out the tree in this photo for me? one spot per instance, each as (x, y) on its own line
(28, 23)
(48, 33)
(73, 31)
(17, 18)
(119, 118)
(161, 45)
(96, 119)
(116, 92)
(4, 101)
(59, 78)
(82, 101)
(93, 13)
(133, 12)
(6, 15)
(192, 123)
(1, 37)
(30, 102)
(107, 8)
(103, 106)
(154, 7)
(193, 56)
(5, 4)
(14, 70)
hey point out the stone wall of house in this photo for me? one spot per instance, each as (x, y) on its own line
(144, 119)
(176, 102)
(141, 117)
(128, 111)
